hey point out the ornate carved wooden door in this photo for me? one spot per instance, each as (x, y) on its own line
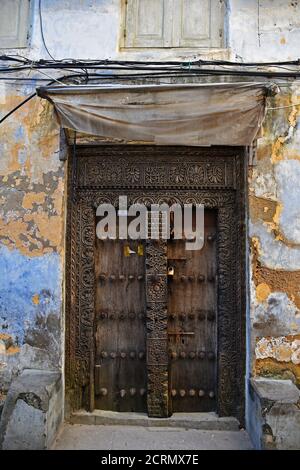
(139, 339)
(192, 332)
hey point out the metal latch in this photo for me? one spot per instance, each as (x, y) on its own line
(181, 333)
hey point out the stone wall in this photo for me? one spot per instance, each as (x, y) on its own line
(31, 238)
(274, 199)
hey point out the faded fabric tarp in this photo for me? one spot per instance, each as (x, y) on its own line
(188, 114)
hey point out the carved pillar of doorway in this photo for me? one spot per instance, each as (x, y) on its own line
(157, 337)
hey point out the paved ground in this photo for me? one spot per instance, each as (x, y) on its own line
(96, 437)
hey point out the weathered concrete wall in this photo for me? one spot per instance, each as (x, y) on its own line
(274, 419)
(275, 242)
(264, 30)
(31, 237)
(260, 31)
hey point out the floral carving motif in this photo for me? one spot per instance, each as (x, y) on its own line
(112, 174)
(132, 174)
(177, 174)
(157, 287)
(215, 174)
(196, 174)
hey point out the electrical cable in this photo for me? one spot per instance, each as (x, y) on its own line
(53, 79)
(42, 29)
(28, 98)
(175, 63)
(213, 72)
(17, 107)
(23, 79)
(197, 62)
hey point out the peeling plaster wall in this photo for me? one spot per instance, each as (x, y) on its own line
(264, 30)
(275, 242)
(33, 186)
(31, 237)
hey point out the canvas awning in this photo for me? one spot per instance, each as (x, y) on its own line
(186, 114)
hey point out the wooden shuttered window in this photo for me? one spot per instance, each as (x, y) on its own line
(173, 23)
(14, 23)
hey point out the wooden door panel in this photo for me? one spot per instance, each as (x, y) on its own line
(192, 317)
(120, 359)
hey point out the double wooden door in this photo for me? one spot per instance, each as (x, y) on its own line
(150, 326)
(121, 377)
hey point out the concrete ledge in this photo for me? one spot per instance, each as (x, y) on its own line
(274, 414)
(271, 391)
(33, 411)
(204, 421)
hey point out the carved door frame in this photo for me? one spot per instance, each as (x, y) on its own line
(212, 176)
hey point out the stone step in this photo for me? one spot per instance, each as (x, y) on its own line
(205, 421)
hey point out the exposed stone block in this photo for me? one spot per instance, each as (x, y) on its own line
(33, 411)
(274, 414)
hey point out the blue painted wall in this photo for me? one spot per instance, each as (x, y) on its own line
(30, 291)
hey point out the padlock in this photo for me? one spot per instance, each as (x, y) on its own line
(170, 271)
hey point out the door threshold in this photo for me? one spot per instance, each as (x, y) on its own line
(206, 421)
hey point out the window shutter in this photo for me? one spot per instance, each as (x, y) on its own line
(174, 23)
(148, 24)
(198, 23)
(14, 23)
